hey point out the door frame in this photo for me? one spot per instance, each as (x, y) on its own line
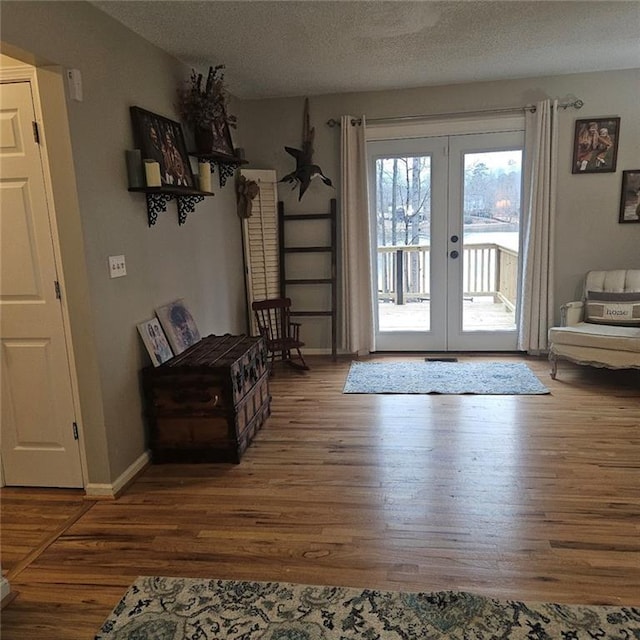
(25, 72)
(434, 128)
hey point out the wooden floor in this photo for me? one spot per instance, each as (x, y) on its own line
(526, 497)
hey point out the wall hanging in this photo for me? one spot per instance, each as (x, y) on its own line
(630, 196)
(595, 145)
(305, 170)
(204, 109)
(246, 191)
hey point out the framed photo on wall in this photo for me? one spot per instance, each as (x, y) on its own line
(630, 196)
(162, 140)
(595, 145)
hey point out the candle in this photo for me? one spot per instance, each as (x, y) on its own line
(204, 173)
(152, 173)
(134, 168)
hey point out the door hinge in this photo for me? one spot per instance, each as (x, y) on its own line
(36, 132)
(56, 284)
(75, 431)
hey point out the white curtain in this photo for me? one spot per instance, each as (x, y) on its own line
(357, 305)
(536, 291)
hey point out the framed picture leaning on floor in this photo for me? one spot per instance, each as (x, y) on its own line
(155, 341)
(179, 325)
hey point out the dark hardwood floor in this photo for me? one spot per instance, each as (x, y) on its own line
(525, 497)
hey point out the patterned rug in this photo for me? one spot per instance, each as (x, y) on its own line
(183, 608)
(494, 378)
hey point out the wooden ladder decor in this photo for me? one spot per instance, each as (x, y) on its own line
(331, 249)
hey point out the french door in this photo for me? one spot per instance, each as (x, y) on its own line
(445, 241)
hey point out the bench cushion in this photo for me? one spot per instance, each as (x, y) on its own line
(598, 336)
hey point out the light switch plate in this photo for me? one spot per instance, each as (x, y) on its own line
(117, 267)
(74, 82)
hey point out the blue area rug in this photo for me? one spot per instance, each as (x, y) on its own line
(491, 378)
(185, 608)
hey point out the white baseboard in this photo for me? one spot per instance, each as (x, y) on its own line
(320, 351)
(102, 490)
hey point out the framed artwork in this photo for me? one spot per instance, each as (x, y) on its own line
(155, 341)
(222, 142)
(162, 140)
(595, 145)
(630, 196)
(179, 325)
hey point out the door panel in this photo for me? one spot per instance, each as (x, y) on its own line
(20, 278)
(445, 246)
(409, 197)
(27, 366)
(38, 443)
(485, 175)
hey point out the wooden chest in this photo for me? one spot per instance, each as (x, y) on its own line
(206, 404)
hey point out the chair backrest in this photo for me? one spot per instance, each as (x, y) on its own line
(272, 317)
(615, 281)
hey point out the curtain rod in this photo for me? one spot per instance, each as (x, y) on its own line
(575, 104)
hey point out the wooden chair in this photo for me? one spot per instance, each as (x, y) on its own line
(280, 333)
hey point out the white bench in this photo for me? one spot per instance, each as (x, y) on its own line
(596, 343)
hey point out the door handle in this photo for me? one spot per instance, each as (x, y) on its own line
(454, 238)
(454, 254)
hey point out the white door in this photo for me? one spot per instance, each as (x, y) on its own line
(39, 437)
(445, 241)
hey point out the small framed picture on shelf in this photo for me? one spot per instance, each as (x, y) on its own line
(222, 142)
(179, 325)
(214, 138)
(162, 140)
(595, 145)
(630, 196)
(155, 341)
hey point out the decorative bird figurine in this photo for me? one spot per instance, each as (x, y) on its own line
(305, 169)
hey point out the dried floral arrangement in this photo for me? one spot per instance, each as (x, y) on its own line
(201, 107)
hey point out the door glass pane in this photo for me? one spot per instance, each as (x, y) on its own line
(491, 209)
(403, 223)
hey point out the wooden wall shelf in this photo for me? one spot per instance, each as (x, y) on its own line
(227, 164)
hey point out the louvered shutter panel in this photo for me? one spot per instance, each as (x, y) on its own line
(260, 237)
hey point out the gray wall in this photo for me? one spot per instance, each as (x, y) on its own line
(200, 261)
(588, 233)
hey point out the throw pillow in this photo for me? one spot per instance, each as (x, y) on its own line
(622, 309)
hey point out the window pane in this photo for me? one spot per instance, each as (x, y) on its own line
(491, 209)
(403, 222)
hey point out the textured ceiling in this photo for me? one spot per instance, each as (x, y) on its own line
(313, 47)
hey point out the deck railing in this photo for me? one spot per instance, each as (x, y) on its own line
(488, 269)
